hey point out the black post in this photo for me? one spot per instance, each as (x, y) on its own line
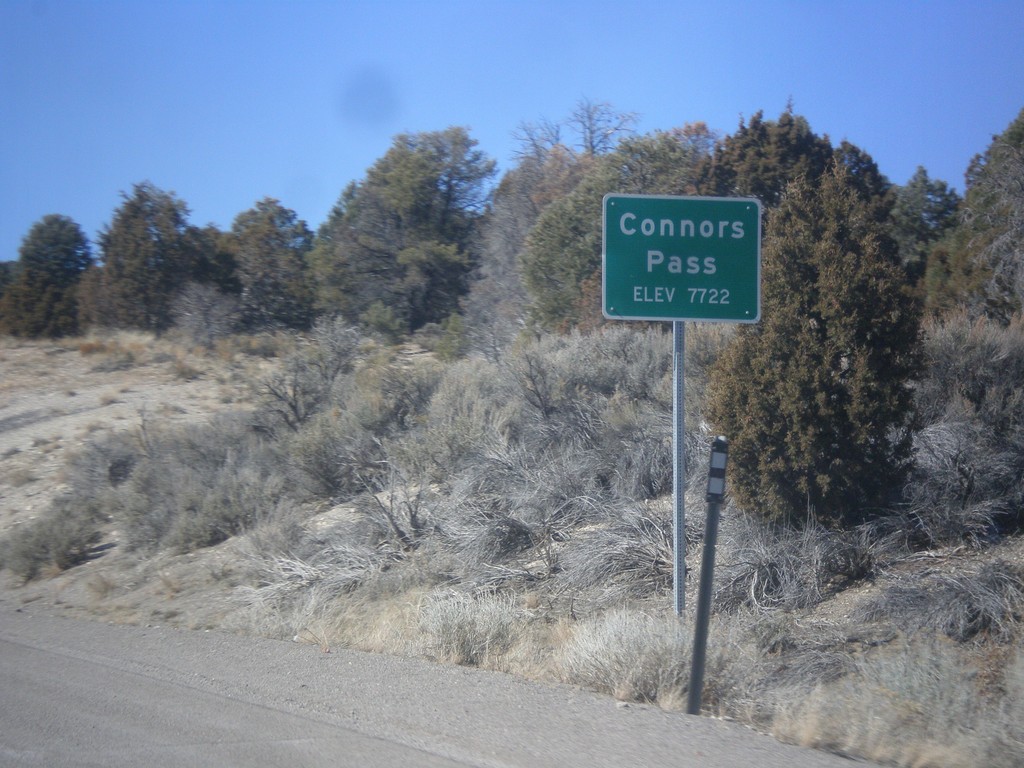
(716, 493)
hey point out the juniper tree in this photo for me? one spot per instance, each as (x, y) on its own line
(7, 275)
(269, 244)
(40, 301)
(763, 156)
(815, 398)
(149, 253)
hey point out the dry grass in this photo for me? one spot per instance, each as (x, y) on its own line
(100, 585)
(185, 370)
(21, 476)
(914, 705)
(467, 629)
(631, 655)
(109, 398)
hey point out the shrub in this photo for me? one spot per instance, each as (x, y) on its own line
(471, 406)
(631, 655)
(66, 533)
(634, 449)
(312, 568)
(453, 343)
(481, 533)
(976, 360)
(555, 372)
(101, 464)
(471, 630)
(764, 567)
(969, 451)
(195, 486)
(914, 705)
(965, 485)
(388, 395)
(600, 399)
(204, 314)
(1004, 725)
(988, 602)
(240, 494)
(402, 511)
(62, 537)
(383, 321)
(335, 457)
(303, 385)
(628, 556)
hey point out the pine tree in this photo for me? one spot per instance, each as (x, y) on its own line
(404, 238)
(924, 212)
(41, 299)
(269, 244)
(7, 272)
(149, 255)
(815, 398)
(563, 251)
(981, 264)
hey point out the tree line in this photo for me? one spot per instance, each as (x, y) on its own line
(817, 397)
(429, 233)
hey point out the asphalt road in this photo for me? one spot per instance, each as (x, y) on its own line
(79, 693)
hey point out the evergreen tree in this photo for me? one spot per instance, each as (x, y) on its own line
(216, 265)
(404, 237)
(149, 254)
(41, 299)
(762, 157)
(815, 397)
(563, 251)
(330, 275)
(981, 264)
(870, 184)
(561, 263)
(269, 244)
(924, 212)
(7, 272)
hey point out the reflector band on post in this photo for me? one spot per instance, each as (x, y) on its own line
(716, 470)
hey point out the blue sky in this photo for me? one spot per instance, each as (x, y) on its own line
(225, 102)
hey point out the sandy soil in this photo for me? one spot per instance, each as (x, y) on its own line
(55, 397)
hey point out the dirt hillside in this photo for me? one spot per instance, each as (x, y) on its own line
(56, 396)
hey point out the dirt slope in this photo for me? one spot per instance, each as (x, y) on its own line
(54, 397)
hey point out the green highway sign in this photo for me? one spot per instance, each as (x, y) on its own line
(682, 258)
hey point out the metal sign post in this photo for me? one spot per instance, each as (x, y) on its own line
(715, 496)
(677, 259)
(678, 469)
